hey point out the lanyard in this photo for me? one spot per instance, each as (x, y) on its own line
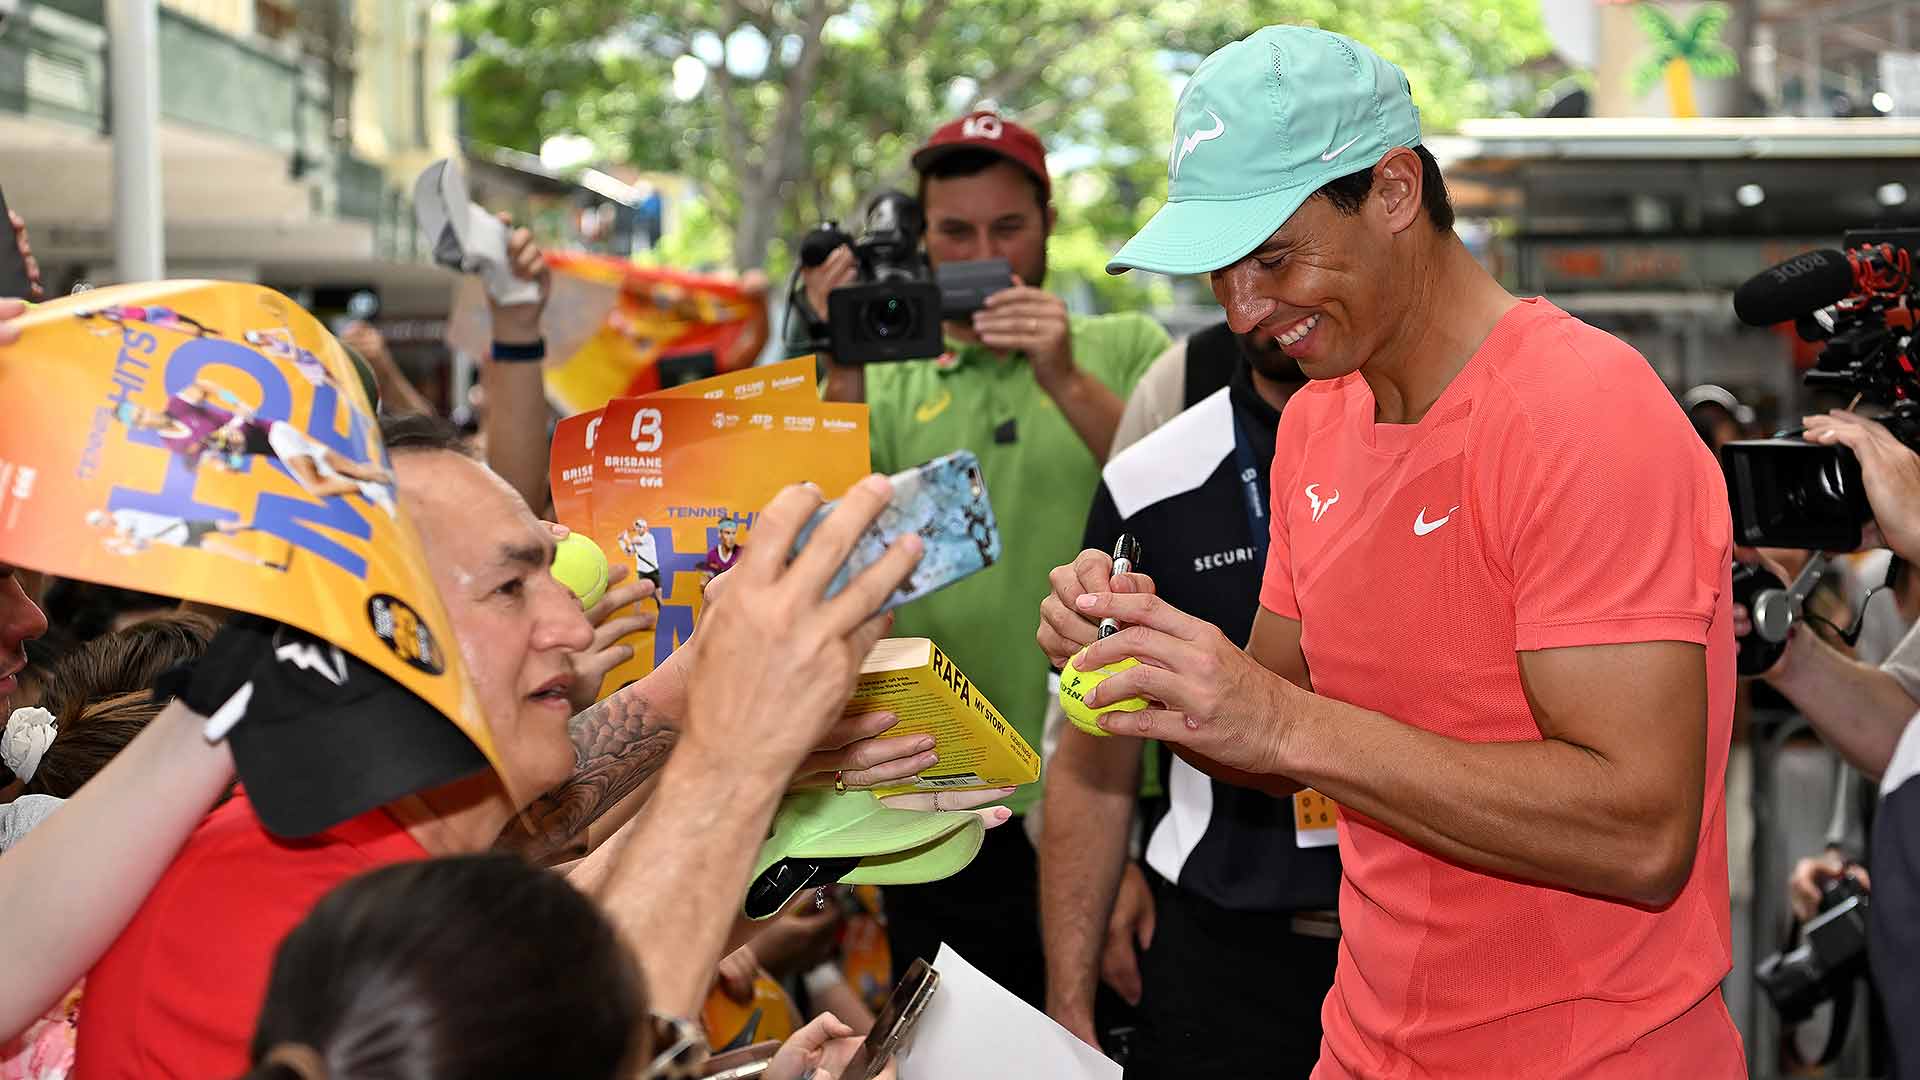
(1253, 500)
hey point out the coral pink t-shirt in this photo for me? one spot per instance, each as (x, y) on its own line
(1554, 496)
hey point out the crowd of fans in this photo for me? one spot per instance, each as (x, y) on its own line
(191, 941)
(570, 911)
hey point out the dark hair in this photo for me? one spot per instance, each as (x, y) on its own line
(1349, 193)
(85, 610)
(972, 161)
(419, 432)
(100, 696)
(89, 736)
(445, 969)
(127, 659)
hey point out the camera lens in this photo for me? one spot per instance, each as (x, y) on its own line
(889, 318)
(1820, 490)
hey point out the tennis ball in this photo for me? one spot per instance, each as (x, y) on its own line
(580, 565)
(1075, 685)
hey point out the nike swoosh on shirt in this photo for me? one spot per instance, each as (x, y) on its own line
(1331, 154)
(1421, 526)
(930, 409)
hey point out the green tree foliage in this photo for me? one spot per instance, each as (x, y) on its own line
(807, 105)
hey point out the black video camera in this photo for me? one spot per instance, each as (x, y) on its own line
(1785, 491)
(1831, 954)
(894, 308)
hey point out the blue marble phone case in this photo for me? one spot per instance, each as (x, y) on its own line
(945, 501)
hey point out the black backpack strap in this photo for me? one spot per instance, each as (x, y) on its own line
(1212, 357)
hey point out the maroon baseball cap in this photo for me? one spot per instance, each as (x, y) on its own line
(988, 131)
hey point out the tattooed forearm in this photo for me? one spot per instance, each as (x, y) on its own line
(618, 745)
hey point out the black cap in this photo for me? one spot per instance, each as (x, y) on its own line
(321, 737)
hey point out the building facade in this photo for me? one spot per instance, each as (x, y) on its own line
(290, 134)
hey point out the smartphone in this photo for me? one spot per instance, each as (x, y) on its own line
(895, 1022)
(742, 1064)
(14, 281)
(945, 502)
(750, 1071)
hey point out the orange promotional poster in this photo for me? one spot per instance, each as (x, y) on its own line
(678, 481)
(570, 470)
(212, 441)
(570, 467)
(787, 381)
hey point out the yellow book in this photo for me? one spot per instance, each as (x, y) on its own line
(914, 680)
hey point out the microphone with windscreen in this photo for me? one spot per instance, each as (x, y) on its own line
(1859, 303)
(1800, 286)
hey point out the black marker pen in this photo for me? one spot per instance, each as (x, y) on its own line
(1126, 552)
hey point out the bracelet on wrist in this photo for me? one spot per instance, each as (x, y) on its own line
(523, 353)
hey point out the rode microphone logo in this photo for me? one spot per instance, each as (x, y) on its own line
(1798, 266)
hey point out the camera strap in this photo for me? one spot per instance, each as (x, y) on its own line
(1896, 569)
(1841, 1024)
(798, 304)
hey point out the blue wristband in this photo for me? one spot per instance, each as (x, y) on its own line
(520, 354)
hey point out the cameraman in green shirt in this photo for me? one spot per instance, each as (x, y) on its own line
(1036, 394)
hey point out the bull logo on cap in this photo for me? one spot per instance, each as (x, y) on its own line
(1193, 140)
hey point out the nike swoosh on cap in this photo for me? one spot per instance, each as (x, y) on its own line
(1331, 154)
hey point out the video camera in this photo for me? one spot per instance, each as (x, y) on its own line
(894, 308)
(1831, 954)
(1785, 491)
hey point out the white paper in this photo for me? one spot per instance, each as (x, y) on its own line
(976, 1028)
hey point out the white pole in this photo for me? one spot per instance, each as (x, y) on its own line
(133, 75)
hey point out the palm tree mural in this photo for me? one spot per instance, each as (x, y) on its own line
(1682, 51)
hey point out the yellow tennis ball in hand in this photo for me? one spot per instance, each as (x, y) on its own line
(580, 565)
(1076, 685)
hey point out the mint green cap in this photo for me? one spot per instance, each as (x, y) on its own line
(895, 847)
(1261, 126)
